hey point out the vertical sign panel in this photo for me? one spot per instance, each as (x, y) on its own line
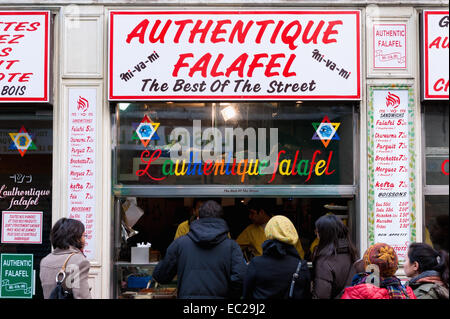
(435, 55)
(391, 160)
(24, 56)
(81, 168)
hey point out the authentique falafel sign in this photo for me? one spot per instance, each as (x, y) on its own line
(207, 55)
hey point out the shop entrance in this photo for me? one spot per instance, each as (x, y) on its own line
(157, 221)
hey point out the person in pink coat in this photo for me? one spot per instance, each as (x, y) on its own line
(381, 283)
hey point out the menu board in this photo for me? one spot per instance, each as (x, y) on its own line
(81, 168)
(391, 169)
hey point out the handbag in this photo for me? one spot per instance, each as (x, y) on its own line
(295, 276)
(59, 292)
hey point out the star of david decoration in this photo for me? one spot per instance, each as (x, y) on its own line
(325, 131)
(22, 141)
(146, 131)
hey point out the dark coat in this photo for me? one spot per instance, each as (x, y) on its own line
(332, 272)
(207, 263)
(269, 276)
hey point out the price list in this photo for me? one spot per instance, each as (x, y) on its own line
(81, 168)
(391, 169)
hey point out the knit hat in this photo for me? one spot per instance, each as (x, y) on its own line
(384, 256)
(281, 228)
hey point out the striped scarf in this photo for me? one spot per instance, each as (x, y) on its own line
(395, 288)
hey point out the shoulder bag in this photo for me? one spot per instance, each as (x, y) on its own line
(295, 276)
(59, 292)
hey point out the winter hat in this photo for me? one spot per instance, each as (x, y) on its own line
(281, 228)
(384, 256)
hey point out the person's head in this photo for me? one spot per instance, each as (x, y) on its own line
(261, 210)
(281, 228)
(67, 232)
(196, 206)
(210, 208)
(331, 231)
(422, 257)
(383, 256)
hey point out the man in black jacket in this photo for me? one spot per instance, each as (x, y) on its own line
(207, 263)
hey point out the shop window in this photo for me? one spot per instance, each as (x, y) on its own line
(235, 143)
(436, 167)
(156, 221)
(312, 146)
(26, 146)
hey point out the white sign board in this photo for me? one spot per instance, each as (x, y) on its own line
(24, 56)
(81, 166)
(389, 43)
(435, 83)
(391, 169)
(20, 227)
(234, 55)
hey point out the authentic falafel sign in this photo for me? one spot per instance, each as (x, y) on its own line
(207, 55)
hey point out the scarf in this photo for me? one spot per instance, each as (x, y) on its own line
(395, 288)
(393, 285)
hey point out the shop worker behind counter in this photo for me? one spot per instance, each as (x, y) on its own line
(67, 237)
(207, 263)
(252, 237)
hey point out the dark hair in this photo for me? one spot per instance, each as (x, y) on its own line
(429, 259)
(210, 209)
(332, 230)
(67, 232)
(268, 205)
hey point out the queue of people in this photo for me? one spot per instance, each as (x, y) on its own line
(209, 264)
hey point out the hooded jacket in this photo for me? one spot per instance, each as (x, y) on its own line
(428, 285)
(269, 276)
(207, 263)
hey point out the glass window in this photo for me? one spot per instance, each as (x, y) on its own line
(436, 136)
(309, 143)
(436, 221)
(436, 143)
(26, 146)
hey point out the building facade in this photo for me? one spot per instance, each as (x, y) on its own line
(121, 113)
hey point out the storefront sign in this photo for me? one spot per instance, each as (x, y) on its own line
(211, 158)
(16, 276)
(391, 166)
(21, 227)
(389, 43)
(23, 197)
(204, 55)
(81, 168)
(24, 56)
(435, 55)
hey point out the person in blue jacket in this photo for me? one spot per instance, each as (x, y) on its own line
(208, 264)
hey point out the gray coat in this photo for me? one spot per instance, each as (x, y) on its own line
(77, 270)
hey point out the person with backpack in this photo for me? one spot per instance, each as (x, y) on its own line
(378, 281)
(428, 270)
(279, 273)
(333, 258)
(207, 263)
